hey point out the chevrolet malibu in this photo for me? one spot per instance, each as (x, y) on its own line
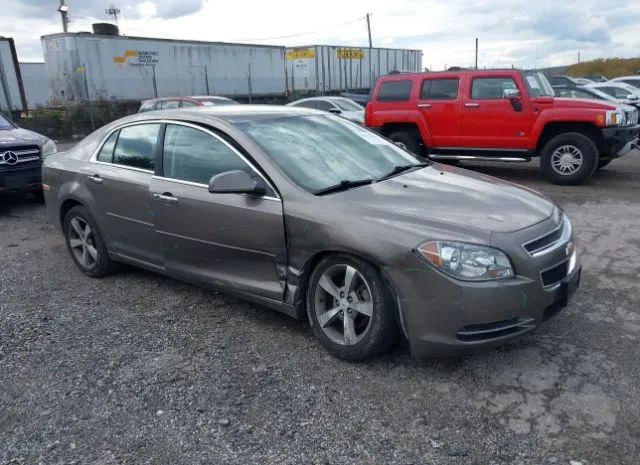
(321, 219)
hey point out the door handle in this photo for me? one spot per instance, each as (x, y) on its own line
(96, 179)
(166, 197)
(424, 105)
(472, 105)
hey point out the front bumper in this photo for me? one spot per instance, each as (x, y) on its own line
(442, 316)
(620, 141)
(20, 179)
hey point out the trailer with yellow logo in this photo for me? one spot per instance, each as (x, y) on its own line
(327, 68)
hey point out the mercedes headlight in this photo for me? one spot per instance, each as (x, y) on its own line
(49, 148)
(467, 261)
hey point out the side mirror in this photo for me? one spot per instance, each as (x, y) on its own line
(511, 94)
(335, 111)
(236, 182)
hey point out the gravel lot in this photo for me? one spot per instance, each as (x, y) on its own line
(140, 369)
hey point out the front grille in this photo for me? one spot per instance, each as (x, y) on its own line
(632, 117)
(544, 242)
(556, 274)
(487, 331)
(25, 156)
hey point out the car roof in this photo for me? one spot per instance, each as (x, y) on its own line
(212, 97)
(229, 113)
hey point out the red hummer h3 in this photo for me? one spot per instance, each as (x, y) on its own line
(501, 115)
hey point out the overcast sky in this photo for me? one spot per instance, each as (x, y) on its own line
(524, 33)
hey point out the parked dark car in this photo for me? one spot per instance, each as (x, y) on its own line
(167, 103)
(562, 81)
(321, 219)
(21, 155)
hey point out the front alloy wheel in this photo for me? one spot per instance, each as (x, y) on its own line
(566, 160)
(350, 308)
(569, 158)
(343, 304)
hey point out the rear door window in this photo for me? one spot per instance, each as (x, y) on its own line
(307, 104)
(439, 89)
(325, 106)
(395, 91)
(136, 146)
(491, 88)
(106, 152)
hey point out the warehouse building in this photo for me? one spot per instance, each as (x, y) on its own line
(327, 68)
(85, 66)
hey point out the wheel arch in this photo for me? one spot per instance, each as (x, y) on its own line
(554, 129)
(65, 206)
(300, 301)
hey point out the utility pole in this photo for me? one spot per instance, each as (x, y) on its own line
(113, 11)
(369, 29)
(64, 14)
(578, 57)
(476, 53)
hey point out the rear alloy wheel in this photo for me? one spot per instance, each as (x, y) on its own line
(350, 309)
(85, 243)
(569, 159)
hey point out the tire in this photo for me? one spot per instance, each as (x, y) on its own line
(582, 156)
(87, 248)
(604, 162)
(38, 195)
(369, 315)
(406, 140)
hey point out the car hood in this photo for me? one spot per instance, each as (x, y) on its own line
(444, 194)
(20, 136)
(561, 102)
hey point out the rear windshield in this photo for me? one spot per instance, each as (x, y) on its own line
(394, 91)
(347, 105)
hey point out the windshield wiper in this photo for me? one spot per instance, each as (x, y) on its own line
(343, 186)
(402, 168)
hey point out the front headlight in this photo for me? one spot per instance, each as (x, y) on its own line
(49, 148)
(614, 118)
(467, 261)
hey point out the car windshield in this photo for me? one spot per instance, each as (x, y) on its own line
(347, 105)
(321, 151)
(537, 84)
(4, 123)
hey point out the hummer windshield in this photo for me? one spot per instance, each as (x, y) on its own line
(537, 84)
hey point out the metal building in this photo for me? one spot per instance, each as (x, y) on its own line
(84, 66)
(328, 68)
(36, 85)
(12, 96)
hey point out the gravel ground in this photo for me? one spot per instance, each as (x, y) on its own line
(140, 369)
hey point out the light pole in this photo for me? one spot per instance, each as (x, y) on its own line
(64, 14)
(113, 11)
